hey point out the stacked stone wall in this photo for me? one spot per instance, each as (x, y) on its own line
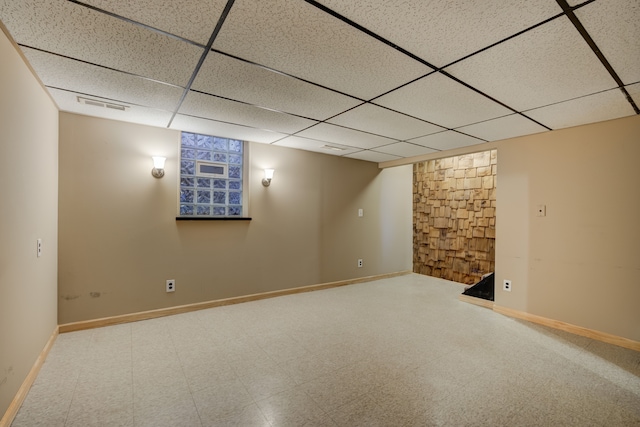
(454, 216)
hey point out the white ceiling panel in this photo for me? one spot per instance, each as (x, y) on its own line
(232, 78)
(69, 29)
(381, 121)
(317, 146)
(193, 20)
(295, 37)
(372, 156)
(549, 64)
(588, 109)
(225, 130)
(455, 28)
(446, 140)
(68, 101)
(211, 107)
(615, 27)
(64, 73)
(503, 128)
(634, 91)
(443, 101)
(344, 136)
(405, 149)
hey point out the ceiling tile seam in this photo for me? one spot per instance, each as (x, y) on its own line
(369, 33)
(235, 124)
(519, 33)
(402, 85)
(273, 70)
(256, 105)
(596, 50)
(407, 115)
(104, 67)
(523, 112)
(139, 24)
(214, 35)
(445, 73)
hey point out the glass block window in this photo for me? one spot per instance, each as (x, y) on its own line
(210, 176)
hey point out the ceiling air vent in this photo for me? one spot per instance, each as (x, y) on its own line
(331, 147)
(96, 103)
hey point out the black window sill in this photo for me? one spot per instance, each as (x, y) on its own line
(213, 218)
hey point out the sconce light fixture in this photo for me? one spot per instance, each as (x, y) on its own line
(158, 166)
(268, 176)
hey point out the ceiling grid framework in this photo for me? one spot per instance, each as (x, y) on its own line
(369, 79)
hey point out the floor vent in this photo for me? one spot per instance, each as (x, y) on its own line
(96, 103)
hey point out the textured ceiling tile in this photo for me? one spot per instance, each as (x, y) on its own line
(210, 107)
(68, 29)
(68, 101)
(295, 37)
(441, 31)
(193, 20)
(589, 109)
(441, 100)
(232, 78)
(344, 136)
(634, 91)
(503, 128)
(372, 156)
(225, 130)
(381, 121)
(446, 140)
(317, 146)
(64, 73)
(615, 27)
(405, 149)
(549, 64)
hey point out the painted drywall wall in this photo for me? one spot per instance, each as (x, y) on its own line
(28, 211)
(119, 240)
(580, 263)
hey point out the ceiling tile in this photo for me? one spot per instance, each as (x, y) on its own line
(225, 130)
(443, 101)
(634, 91)
(315, 145)
(454, 29)
(503, 128)
(76, 76)
(381, 121)
(297, 38)
(608, 105)
(344, 136)
(549, 64)
(615, 27)
(372, 156)
(446, 140)
(224, 110)
(68, 101)
(78, 32)
(193, 20)
(228, 77)
(405, 149)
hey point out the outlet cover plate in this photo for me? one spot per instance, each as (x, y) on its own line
(171, 285)
(506, 285)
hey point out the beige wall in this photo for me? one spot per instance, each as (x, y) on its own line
(581, 263)
(28, 211)
(119, 240)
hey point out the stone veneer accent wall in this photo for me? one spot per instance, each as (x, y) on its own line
(454, 216)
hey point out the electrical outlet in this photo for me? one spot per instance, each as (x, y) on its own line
(171, 285)
(361, 212)
(359, 263)
(506, 285)
(39, 248)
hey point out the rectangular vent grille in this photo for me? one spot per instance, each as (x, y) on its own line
(96, 103)
(331, 147)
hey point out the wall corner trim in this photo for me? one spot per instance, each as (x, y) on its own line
(15, 404)
(161, 312)
(567, 327)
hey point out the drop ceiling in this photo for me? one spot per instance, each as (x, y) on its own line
(369, 79)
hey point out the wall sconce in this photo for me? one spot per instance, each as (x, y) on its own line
(158, 166)
(268, 176)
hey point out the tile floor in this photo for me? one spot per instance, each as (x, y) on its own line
(395, 352)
